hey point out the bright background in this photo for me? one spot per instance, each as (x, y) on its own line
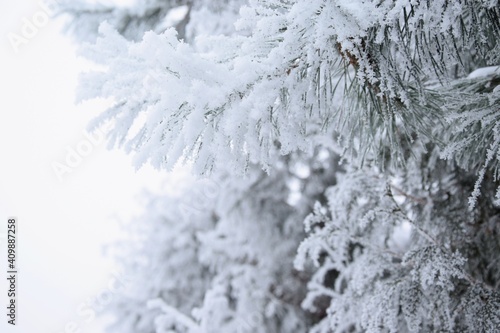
(63, 225)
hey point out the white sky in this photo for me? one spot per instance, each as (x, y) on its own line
(62, 224)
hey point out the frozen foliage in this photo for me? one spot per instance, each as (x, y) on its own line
(367, 73)
(474, 136)
(152, 15)
(267, 96)
(425, 285)
(221, 266)
(165, 262)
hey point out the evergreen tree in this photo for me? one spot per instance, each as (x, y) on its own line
(219, 257)
(404, 236)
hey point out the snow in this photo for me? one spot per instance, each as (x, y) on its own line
(268, 101)
(484, 72)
